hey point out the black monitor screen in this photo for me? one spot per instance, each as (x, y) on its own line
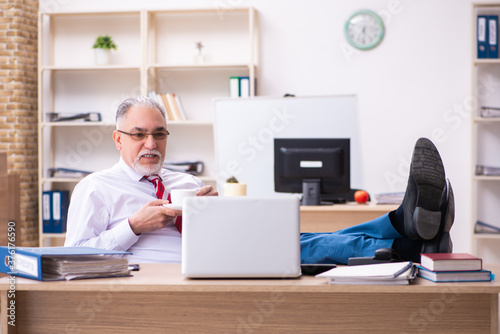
(325, 161)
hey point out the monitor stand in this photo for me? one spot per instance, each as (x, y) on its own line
(311, 191)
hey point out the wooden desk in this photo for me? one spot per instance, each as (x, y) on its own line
(330, 218)
(159, 300)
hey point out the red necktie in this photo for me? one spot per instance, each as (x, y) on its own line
(160, 190)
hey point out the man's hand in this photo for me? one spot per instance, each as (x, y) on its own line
(207, 191)
(152, 216)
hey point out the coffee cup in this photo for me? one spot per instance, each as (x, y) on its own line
(178, 195)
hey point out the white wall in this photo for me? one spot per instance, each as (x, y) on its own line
(416, 83)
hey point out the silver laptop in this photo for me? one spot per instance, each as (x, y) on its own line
(240, 237)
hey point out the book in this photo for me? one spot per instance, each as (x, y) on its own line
(173, 106)
(482, 227)
(63, 263)
(492, 36)
(180, 107)
(487, 170)
(455, 276)
(450, 262)
(394, 273)
(482, 38)
(170, 114)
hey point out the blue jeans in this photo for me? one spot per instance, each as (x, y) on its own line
(338, 247)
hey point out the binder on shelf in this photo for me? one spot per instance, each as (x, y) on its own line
(84, 262)
(493, 36)
(482, 37)
(66, 117)
(60, 204)
(67, 172)
(490, 111)
(482, 227)
(234, 87)
(244, 87)
(47, 212)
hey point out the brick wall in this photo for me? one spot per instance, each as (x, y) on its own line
(18, 105)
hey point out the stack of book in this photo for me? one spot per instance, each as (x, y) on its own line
(453, 267)
(171, 104)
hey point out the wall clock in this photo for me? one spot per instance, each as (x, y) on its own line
(364, 29)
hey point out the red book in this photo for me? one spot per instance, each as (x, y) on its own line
(450, 262)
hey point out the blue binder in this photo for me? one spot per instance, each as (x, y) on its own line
(27, 261)
(493, 36)
(482, 36)
(60, 204)
(47, 212)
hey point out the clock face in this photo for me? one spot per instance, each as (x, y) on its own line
(364, 30)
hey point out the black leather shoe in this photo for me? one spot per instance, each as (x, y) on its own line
(442, 242)
(425, 192)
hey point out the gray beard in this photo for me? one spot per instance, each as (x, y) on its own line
(148, 169)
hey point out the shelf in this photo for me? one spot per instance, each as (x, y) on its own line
(199, 66)
(91, 68)
(487, 61)
(157, 52)
(486, 119)
(486, 178)
(486, 236)
(75, 124)
(60, 179)
(189, 123)
(55, 235)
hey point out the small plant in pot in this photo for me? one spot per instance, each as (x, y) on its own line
(102, 48)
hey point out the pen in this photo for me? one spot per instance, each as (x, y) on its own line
(402, 270)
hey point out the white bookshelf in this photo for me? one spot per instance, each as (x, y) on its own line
(485, 143)
(156, 52)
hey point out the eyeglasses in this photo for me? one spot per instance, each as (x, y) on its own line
(138, 136)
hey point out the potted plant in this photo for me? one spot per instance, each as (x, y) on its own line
(102, 48)
(233, 188)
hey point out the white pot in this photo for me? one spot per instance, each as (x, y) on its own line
(102, 56)
(235, 189)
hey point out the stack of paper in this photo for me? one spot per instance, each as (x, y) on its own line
(383, 273)
(63, 263)
(389, 198)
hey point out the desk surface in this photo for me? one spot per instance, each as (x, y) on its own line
(351, 207)
(168, 277)
(157, 299)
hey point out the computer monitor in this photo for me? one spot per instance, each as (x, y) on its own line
(319, 168)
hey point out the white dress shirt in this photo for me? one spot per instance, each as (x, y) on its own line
(102, 203)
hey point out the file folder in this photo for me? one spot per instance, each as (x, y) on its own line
(482, 37)
(47, 211)
(60, 204)
(234, 87)
(244, 87)
(27, 261)
(493, 36)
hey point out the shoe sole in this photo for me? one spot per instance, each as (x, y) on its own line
(429, 180)
(442, 242)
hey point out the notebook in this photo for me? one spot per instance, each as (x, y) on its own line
(240, 237)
